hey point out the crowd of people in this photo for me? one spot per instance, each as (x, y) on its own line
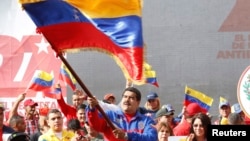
(124, 121)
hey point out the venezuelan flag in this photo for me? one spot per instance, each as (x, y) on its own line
(53, 92)
(203, 100)
(150, 75)
(110, 26)
(67, 77)
(41, 81)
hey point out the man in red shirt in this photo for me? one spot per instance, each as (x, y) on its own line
(183, 128)
(69, 111)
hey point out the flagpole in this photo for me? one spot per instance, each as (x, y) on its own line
(85, 89)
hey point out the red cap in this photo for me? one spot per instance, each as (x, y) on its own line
(107, 96)
(193, 108)
(30, 102)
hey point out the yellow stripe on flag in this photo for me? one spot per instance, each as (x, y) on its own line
(44, 75)
(199, 95)
(150, 74)
(108, 8)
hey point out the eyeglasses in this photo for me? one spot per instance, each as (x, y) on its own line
(198, 125)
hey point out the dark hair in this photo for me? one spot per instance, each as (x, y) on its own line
(15, 119)
(81, 106)
(54, 111)
(73, 124)
(134, 90)
(205, 120)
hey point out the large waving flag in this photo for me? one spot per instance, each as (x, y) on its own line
(113, 27)
(67, 77)
(41, 81)
(202, 99)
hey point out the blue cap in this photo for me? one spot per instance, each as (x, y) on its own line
(152, 95)
(236, 108)
(224, 103)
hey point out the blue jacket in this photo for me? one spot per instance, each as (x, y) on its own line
(138, 129)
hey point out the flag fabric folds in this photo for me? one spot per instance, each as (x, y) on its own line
(41, 81)
(113, 27)
(150, 75)
(192, 95)
(53, 92)
(67, 77)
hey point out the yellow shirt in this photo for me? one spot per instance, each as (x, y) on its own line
(50, 136)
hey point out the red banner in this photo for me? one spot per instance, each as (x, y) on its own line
(18, 62)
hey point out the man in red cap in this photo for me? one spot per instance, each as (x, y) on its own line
(30, 109)
(183, 128)
(109, 98)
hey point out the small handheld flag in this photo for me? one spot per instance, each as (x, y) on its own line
(41, 81)
(150, 75)
(202, 99)
(67, 77)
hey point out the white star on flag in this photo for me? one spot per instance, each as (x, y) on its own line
(43, 46)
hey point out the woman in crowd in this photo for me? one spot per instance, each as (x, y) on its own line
(164, 131)
(199, 125)
(152, 104)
